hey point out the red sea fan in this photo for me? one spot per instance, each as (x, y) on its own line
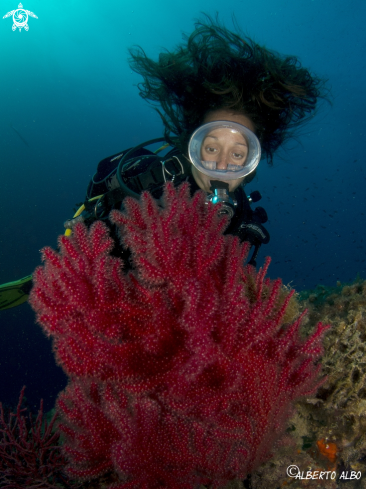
(182, 371)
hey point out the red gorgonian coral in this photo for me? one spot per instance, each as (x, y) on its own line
(29, 452)
(181, 371)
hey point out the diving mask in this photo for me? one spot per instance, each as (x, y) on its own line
(224, 150)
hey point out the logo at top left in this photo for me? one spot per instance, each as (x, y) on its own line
(20, 17)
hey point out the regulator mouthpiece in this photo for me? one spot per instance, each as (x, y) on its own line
(221, 196)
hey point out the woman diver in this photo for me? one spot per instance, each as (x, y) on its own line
(225, 102)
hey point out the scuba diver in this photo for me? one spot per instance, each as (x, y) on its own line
(225, 102)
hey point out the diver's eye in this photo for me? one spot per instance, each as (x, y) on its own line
(210, 149)
(238, 158)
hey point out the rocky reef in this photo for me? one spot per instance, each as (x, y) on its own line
(328, 429)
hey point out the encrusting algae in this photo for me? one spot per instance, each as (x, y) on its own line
(329, 429)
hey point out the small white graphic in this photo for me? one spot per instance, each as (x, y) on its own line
(292, 470)
(20, 17)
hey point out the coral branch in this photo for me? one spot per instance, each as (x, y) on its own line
(29, 452)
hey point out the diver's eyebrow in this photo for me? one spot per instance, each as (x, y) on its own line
(214, 137)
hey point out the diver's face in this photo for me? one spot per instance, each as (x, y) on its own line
(223, 146)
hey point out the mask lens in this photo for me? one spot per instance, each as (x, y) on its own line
(224, 150)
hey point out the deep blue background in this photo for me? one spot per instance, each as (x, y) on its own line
(65, 85)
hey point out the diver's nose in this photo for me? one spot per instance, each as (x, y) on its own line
(221, 163)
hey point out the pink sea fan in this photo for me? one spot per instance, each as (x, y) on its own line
(182, 366)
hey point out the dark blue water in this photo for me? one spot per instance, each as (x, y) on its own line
(66, 87)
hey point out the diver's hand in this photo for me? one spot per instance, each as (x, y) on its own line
(253, 232)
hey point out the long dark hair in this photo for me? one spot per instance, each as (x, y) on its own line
(215, 68)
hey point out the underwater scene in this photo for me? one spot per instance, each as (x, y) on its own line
(182, 244)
